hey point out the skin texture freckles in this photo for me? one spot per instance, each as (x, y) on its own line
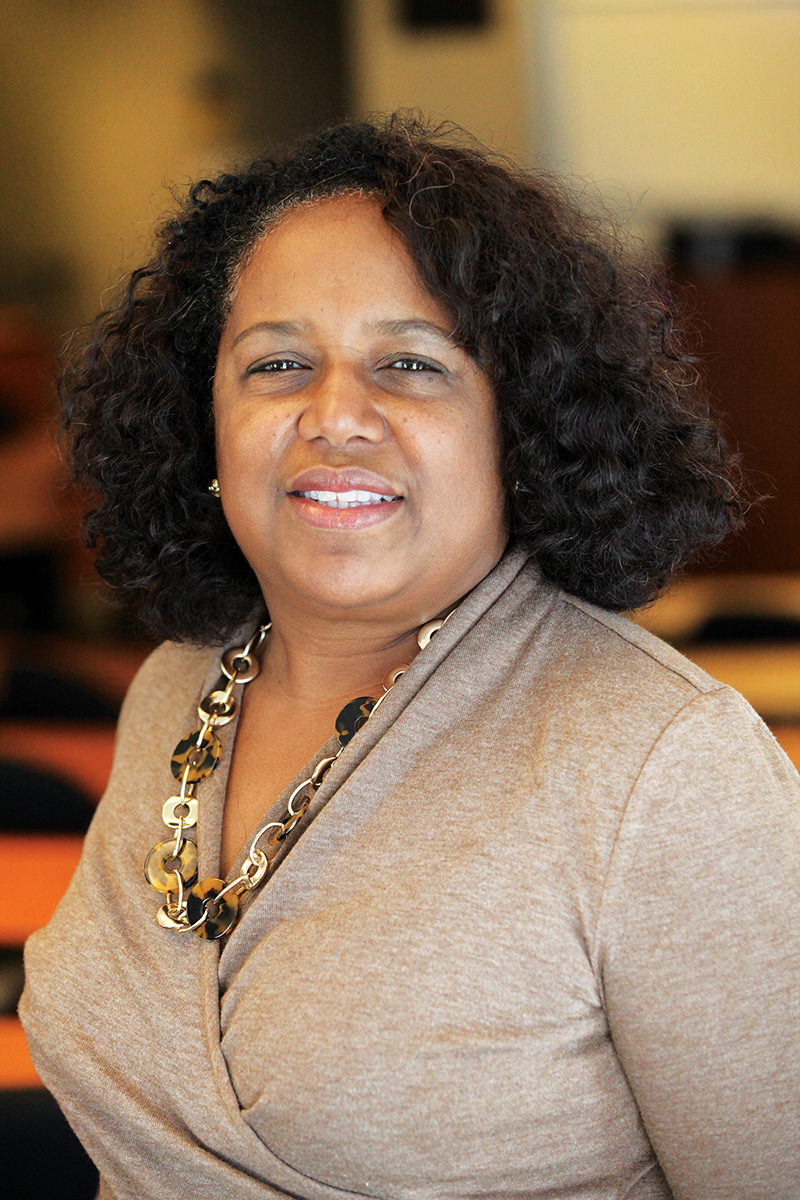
(337, 376)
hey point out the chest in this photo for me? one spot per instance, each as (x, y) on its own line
(273, 742)
(422, 953)
(436, 1013)
(406, 1009)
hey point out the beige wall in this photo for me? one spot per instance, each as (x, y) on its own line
(473, 77)
(102, 102)
(680, 107)
(676, 108)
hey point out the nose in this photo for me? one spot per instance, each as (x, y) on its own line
(341, 409)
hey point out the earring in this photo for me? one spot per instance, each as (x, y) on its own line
(213, 487)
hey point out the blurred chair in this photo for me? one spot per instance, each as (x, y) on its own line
(745, 631)
(56, 749)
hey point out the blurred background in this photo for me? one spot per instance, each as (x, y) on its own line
(684, 113)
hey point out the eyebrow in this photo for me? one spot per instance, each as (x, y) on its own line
(397, 328)
(286, 328)
(413, 325)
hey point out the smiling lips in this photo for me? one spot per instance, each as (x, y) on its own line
(351, 499)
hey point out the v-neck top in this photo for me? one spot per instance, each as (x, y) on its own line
(539, 937)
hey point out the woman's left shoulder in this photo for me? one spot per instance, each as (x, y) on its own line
(706, 711)
(624, 645)
(638, 699)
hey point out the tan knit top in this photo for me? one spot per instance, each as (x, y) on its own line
(541, 938)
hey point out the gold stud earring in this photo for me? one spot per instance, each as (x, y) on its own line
(213, 487)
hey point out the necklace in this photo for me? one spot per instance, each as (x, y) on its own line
(210, 908)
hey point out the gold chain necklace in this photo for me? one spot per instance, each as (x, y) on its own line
(210, 908)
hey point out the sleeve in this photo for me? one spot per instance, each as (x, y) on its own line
(698, 953)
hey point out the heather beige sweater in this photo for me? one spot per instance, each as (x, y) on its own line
(540, 939)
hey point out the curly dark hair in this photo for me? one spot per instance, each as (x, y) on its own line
(614, 471)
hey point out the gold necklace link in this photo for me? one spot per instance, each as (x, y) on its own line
(171, 816)
(171, 866)
(210, 908)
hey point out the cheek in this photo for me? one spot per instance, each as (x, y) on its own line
(489, 508)
(465, 473)
(247, 442)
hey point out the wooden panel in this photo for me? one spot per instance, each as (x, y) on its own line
(767, 675)
(35, 869)
(16, 1068)
(750, 330)
(687, 604)
(106, 667)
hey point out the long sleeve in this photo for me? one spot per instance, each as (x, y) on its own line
(699, 951)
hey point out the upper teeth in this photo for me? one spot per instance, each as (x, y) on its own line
(346, 499)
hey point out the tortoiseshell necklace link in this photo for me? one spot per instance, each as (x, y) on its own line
(210, 908)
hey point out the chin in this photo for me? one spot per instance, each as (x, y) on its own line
(349, 595)
(346, 585)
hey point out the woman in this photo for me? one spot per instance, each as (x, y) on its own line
(512, 911)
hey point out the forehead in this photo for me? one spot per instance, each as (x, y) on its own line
(316, 214)
(340, 242)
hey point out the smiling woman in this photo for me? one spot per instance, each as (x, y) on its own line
(336, 371)
(466, 853)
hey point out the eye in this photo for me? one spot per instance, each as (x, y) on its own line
(273, 365)
(414, 364)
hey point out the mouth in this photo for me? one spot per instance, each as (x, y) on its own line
(343, 499)
(356, 498)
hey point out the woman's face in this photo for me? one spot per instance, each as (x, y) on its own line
(358, 451)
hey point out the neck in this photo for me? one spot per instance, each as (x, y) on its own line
(332, 661)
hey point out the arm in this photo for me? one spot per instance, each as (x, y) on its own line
(698, 950)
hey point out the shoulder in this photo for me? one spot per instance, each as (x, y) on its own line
(607, 676)
(161, 707)
(628, 710)
(709, 713)
(712, 795)
(621, 644)
(159, 710)
(168, 678)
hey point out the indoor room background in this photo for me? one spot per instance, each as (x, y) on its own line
(683, 114)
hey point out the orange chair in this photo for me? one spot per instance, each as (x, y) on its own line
(50, 860)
